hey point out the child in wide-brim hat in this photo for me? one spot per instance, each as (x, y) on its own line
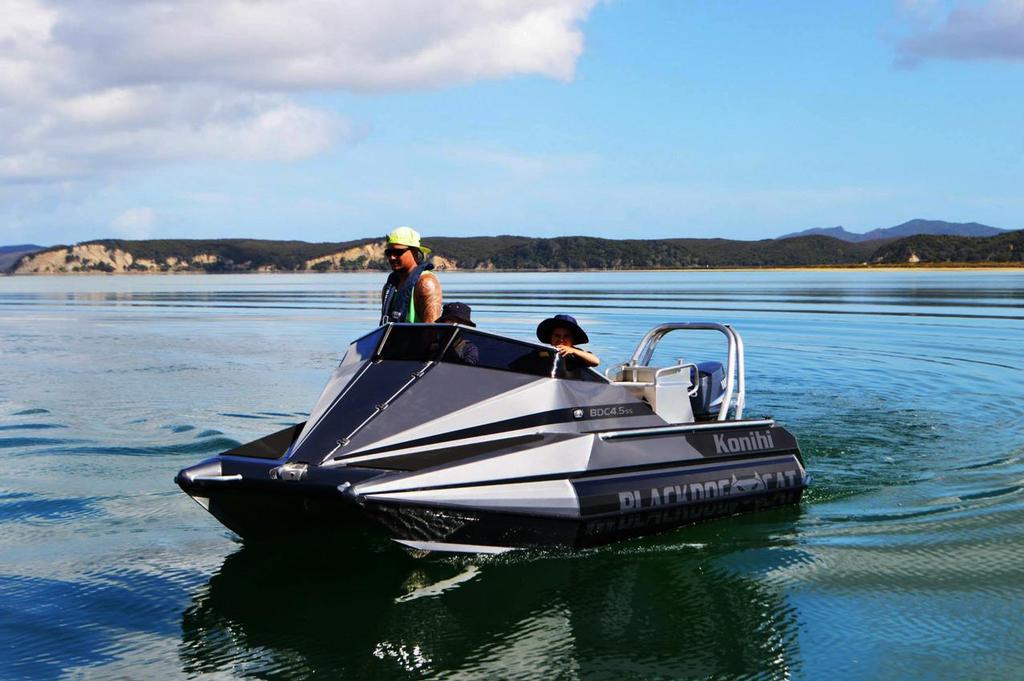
(563, 332)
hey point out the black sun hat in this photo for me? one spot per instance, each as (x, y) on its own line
(458, 312)
(544, 329)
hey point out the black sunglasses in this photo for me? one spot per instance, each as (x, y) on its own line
(397, 252)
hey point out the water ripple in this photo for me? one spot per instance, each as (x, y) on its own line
(24, 442)
(212, 445)
(903, 561)
(30, 507)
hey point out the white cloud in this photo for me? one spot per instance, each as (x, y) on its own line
(298, 44)
(136, 223)
(35, 166)
(988, 30)
(90, 85)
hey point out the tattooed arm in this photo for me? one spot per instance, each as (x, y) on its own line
(428, 298)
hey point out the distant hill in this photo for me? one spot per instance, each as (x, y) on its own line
(834, 232)
(472, 253)
(515, 253)
(927, 248)
(201, 255)
(577, 252)
(910, 228)
(10, 254)
(20, 248)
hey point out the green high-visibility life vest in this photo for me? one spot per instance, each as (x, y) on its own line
(393, 299)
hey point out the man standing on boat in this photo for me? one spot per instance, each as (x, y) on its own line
(412, 292)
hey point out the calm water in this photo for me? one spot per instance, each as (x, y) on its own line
(906, 559)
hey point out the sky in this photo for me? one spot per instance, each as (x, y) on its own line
(331, 120)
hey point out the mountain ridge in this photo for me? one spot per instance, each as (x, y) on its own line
(11, 254)
(908, 228)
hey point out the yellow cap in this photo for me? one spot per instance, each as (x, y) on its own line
(407, 236)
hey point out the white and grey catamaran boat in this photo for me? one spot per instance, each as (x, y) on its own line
(411, 441)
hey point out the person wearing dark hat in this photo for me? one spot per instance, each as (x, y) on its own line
(463, 350)
(412, 293)
(565, 334)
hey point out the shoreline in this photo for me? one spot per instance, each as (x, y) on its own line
(950, 267)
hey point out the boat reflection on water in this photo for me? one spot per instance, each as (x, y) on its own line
(655, 607)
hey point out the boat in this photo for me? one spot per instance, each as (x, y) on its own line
(506, 450)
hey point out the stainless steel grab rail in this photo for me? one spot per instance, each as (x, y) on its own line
(735, 371)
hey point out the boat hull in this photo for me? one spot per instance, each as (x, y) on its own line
(410, 441)
(612, 505)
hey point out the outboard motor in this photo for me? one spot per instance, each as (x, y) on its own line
(710, 391)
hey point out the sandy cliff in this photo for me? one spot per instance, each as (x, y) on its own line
(361, 257)
(100, 258)
(357, 257)
(76, 259)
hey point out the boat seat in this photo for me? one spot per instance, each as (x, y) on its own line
(667, 394)
(635, 374)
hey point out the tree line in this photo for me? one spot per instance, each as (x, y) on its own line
(579, 252)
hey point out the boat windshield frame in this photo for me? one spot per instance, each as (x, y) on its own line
(445, 343)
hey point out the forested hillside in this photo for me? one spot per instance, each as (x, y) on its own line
(1006, 247)
(515, 253)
